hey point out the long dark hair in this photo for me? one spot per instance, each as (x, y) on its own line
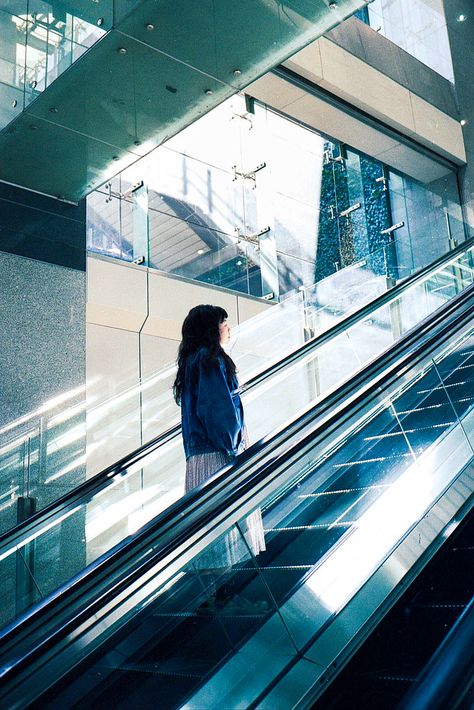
(201, 329)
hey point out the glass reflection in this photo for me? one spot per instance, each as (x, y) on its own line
(417, 26)
(254, 202)
(39, 41)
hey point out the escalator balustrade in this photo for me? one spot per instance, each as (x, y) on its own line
(194, 641)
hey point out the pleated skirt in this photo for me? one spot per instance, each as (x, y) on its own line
(230, 548)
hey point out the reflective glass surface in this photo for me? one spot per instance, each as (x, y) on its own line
(128, 501)
(146, 79)
(418, 26)
(39, 41)
(340, 510)
(251, 201)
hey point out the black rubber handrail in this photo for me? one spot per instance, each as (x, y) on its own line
(126, 564)
(449, 673)
(18, 534)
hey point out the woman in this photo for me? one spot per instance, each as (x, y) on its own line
(212, 420)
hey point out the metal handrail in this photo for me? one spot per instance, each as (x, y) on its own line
(21, 532)
(449, 673)
(223, 497)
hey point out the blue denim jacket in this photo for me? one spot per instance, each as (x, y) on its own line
(212, 416)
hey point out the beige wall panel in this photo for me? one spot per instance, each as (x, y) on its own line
(112, 413)
(116, 294)
(413, 163)
(274, 92)
(156, 352)
(365, 87)
(171, 299)
(248, 308)
(159, 409)
(328, 119)
(437, 130)
(317, 113)
(307, 63)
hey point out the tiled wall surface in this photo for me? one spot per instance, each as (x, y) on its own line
(371, 47)
(134, 318)
(340, 72)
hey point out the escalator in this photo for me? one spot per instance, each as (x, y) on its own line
(54, 545)
(355, 492)
(390, 661)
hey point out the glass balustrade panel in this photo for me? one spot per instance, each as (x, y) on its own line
(342, 507)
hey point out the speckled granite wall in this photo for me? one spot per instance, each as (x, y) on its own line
(42, 358)
(42, 353)
(42, 321)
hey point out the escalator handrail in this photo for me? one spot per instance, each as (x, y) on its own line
(125, 564)
(446, 677)
(21, 532)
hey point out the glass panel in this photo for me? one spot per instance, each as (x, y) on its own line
(255, 202)
(418, 26)
(262, 24)
(18, 589)
(340, 509)
(456, 371)
(39, 41)
(206, 621)
(56, 462)
(343, 517)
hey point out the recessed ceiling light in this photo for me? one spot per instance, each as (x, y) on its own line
(462, 18)
(200, 251)
(332, 5)
(463, 122)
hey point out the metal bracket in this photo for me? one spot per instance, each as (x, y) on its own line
(329, 158)
(131, 190)
(384, 180)
(248, 176)
(244, 116)
(250, 238)
(122, 195)
(110, 194)
(352, 208)
(391, 229)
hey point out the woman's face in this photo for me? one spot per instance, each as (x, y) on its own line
(224, 332)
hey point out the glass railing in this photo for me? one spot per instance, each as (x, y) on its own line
(257, 344)
(340, 492)
(54, 448)
(135, 493)
(40, 40)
